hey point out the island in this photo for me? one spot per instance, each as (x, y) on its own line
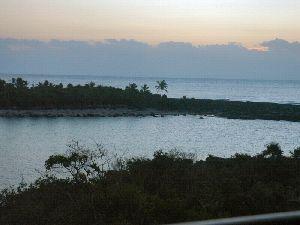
(54, 100)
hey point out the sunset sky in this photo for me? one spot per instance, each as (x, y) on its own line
(153, 21)
(251, 39)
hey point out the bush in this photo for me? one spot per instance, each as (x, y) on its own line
(171, 187)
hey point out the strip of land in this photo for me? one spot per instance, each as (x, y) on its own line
(98, 112)
(47, 99)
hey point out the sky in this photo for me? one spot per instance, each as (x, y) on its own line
(196, 21)
(130, 58)
(175, 38)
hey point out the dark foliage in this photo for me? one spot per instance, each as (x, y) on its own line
(170, 187)
(17, 95)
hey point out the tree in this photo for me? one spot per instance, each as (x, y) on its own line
(60, 85)
(296, 153)
(145, 89)
(2, 84)
(132, 90)
(46, 83)
(19, 83)
(80, 162)
(273, 150)
(161, 86)
(91, 84)
(242, 156)
(131, 87)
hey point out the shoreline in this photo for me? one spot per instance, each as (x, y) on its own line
(129, 112)
(97, 112)
(52, 100)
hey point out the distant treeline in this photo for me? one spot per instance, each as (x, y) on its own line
(17, 95)
(171, 187)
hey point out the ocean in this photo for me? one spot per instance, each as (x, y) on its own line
(278, 91)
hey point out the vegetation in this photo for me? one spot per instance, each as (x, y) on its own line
(85, 186)
(161, 86)
(17, 95)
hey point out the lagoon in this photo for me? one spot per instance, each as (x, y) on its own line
(25, 143)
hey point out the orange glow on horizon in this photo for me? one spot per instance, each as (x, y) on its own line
(197, 22)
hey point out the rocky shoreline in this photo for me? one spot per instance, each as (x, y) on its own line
(99, 112)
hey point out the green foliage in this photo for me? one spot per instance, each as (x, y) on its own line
(171, 187)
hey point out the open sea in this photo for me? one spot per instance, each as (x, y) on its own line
(240, 90)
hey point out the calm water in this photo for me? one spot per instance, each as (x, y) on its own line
(244, 90)
(25, 143)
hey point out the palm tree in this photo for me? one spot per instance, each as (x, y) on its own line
(161, 86)
(145, 89)
(132, 87)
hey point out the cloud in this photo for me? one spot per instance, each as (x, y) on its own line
(282, 45)
(279, 59)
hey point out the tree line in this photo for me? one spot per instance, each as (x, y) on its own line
(86, 186)
(46, 95)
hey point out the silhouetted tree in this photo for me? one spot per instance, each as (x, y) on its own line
(80, 162)
(273, 150)
(242, 156)
(161, 86)
(145, 89)
(296, 153)
(46, 83)
(20, 83)
(16, 94)
(132, 86)
(168, 188)
(91, 84)
(131, 89)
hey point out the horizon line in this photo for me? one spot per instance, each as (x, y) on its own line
(256, 47)
(149, 77)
